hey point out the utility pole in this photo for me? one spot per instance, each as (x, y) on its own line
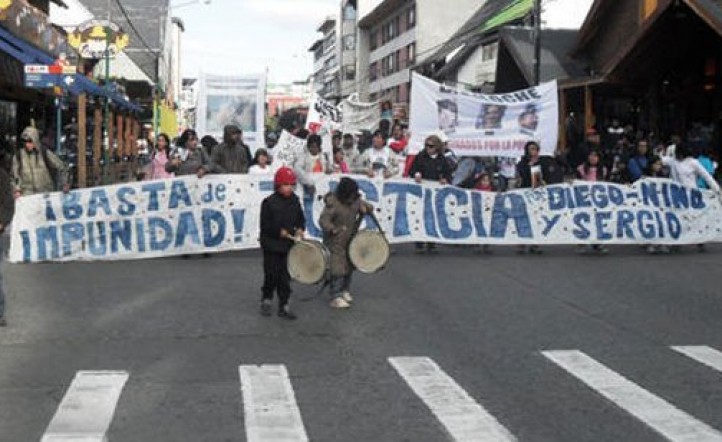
(537, 41)
(106, 119)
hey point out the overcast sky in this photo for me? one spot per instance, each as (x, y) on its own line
(250, 36)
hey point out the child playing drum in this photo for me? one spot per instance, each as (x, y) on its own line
(282, 220)
(340, 221)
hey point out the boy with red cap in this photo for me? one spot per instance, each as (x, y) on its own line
(281, 219)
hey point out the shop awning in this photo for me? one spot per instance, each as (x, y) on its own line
(26, 53)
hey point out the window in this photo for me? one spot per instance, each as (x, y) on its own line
(411, 54)
(349, 72)
(349, 12)
(349, 43)
(411, 17)
(390, 64)
(489, 51)
(373, 72)
(374, 39)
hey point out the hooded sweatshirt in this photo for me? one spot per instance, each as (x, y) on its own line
(32, 174)
(229, 157)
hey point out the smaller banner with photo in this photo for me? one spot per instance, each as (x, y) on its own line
(484, 124)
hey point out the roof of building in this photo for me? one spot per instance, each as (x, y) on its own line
(487, 19)
(555, 47)
(709, 10)
(379, 13)
(326, 24)
(315, 45)
(144, 24)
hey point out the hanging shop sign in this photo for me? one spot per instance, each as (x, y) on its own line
(94, 37)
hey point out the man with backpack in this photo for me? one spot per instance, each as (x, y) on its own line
(36, 169)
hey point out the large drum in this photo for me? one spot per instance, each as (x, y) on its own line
(309, 262)
(369, 251)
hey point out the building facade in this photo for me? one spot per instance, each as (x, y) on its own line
(396, 35)
(326, 78)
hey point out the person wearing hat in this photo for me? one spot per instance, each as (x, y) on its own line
(339, 222)
(231, 156)
(36, 169)
(282, 220)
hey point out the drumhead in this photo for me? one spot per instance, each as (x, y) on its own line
(369, 251)
(308, 262)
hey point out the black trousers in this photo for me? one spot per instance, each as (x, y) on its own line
(276, 277)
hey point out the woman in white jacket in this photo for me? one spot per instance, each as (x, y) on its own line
(685, 169)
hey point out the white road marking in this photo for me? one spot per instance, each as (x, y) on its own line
(703, 354)
(461, 415)
(669, 421)
(87, 408)
(269, 404)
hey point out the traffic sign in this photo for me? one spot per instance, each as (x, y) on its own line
(41, 80)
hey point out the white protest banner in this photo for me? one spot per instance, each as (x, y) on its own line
(482, 124)
(288, 148)
(221, 212)
(232, 99)
(358, 116)
(323, 119)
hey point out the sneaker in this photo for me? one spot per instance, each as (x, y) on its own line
(346, 296)
(286, 313)
(701, 248)
(3, 322)
(431, 249)
(266, 307)
(536, 250)
(339, 303)
(420, 249)
(651, 249)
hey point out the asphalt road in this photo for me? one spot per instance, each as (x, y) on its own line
(181, 329)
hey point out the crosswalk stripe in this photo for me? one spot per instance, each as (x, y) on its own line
(87, 408)
(703, 354)
(269, 404)
(461, 415)
(669, 421)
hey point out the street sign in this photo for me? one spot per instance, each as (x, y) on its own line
(40, 76)
(41, 80)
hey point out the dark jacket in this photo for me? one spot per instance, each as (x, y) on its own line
(195, 160)
(339, 223)
(279, 213)
(433, 169)
(552, 173)
(230, 158)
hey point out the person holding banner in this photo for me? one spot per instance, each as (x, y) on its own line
(350, 152)
(535, 171)
(340, 221)
(159, 158)
(380, 159)
(231, 156)
(311, 163)
(431, 165)
(187, 158)
(282, 220)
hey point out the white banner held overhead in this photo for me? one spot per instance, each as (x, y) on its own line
(323, 119)
(358, 116)
(484, 124)
(232, 99)
(288, 149)
(221, 212)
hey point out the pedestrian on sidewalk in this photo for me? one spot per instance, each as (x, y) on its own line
(339, 222)
(282, 220)
(232, 156)
(188, 158)
(36, 169)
